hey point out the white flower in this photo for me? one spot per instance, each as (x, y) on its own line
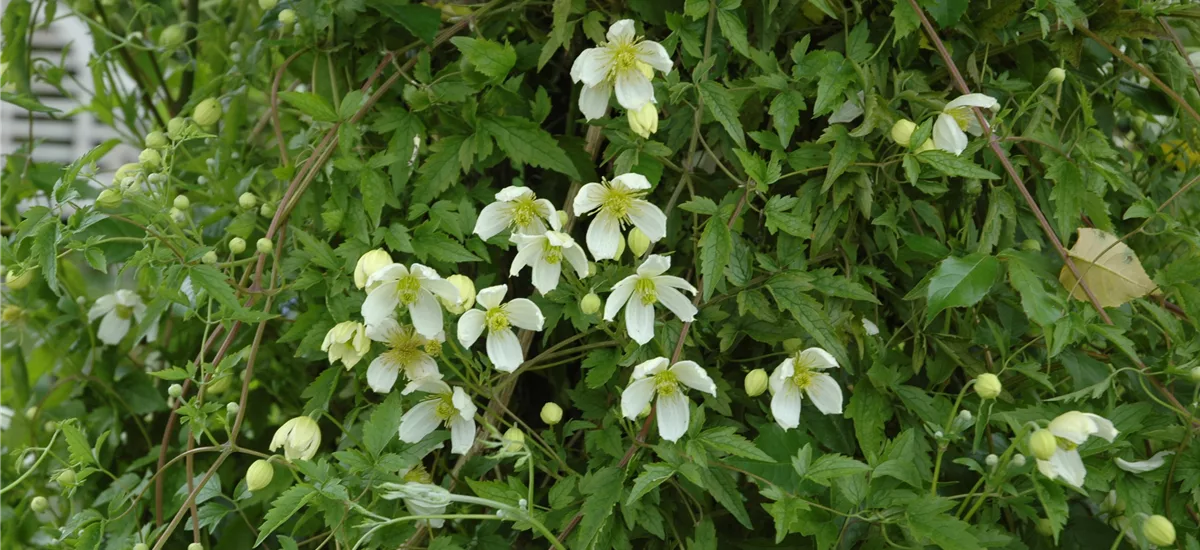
(654, 378)
(625, 63)
(368, 264)
(346, 342)
(516, 208)
(545, 253)
(1141, 466)
(638, 294)
(406, 353)
(420, 495)
(300, 438)
(870, 327)
(957, 116)
(1070, 430)
(619, 202)
(413, 287)
(850, 110)
(801, 375)
(503, 348)
(449, 406)
(117, 309)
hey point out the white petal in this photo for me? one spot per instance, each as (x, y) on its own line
(636, 396)
(462, 403)
(426, 314)
(470, 326)
(785, 406)
(390, 272)
(622, 31)
(504, 350)
(1103, 427)
(383, 331)
(491, 296)
(593, 100)
(524, 314)
(591, 66)
(673, 415)
(514, 192)
(419, 421)
(817, 358)
(529, 252)
(103, 305)
(430, 384)
(780, 375)
(639, 321)
(578, 260)
(678, 303)
(649, 367)
(655, 265)
(982, 101)
(441, 288)
(462, 435)
(673, 282)
(493, 219)
(602, 236)
(382, 374)
(112, 329)
(691, 375)
(589, 198)
(947, 136)
(422, 367)
(380, 303)
(649, 219)
(825, 394)
(545, 276)
(1153, 463)
(632, 181)
(617, 298)
(633, 89)
(653, 54)
(1069, 466)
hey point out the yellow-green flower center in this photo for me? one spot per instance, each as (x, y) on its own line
(407, 287)
(802, 375)
(124, 312)
(617, 202)
(666, 383)
(418, 474)
(524, 211)
(645, 288)
(962, 116)
(433, 348)
(445, 408)
(624, 56)
(1066, 444)
(552, 254)
(405, 347)
(496, 319)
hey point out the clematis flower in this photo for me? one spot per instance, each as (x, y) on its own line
(618, 201)
(626, 63)
(516, 208)
(414, 287)
(116, 309)
(638, 293)
(368, 264)
(451, 407)
(799, 376)
(957, 118)
(346, 342)
(406, 353)
(300, 438)
(654, 378)
(1072, 429)
(545, 253)
(498, 318)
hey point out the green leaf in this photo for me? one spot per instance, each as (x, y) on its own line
(846, 150)
(382, 428)
(700, 205)
(945, 12)
(695, 8)
(422, 21)
(72, 172)
(961, 282)
(721, 486)
(438, 171)
(954, 165)
(213, 281)
(603, 489)
(441, 247)
(320, 391)
(734, 31)
(1054, 503)
(723, 109)
(600, 365)
(526, 143)
(812, 318)
(716, 245)
(1068, 193)
(655, 474)
(827, 282)
(928, 518)
(311, 104)
(374, 194)
(45, 249)
(832, 466)
(77, 444)
(170, 373)
(1040, 305)
(785, 112)
(727, 440)
(283, 508)
(489, 57)
(835, 77)
(904, 20)
(27, 102)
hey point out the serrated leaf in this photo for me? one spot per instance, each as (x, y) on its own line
(1068, 193)
(170, 373)
(954, 165)
(812, 318)
(727, 440)
(422, 21)
(488, 56)
(603, 489)
(383, 425)
(1039, 305)
(45, 249)
(600, 365)
(785, 112)
(721, 486)
(700, 205)
(653, 475)
(77, 444)
(723, 109)
(832, 466)
(945, 12)
(213, 281)
(320, 390)
(716, 245)
(438, 171)
(283, 508)
(734, 31)
(311, 104)
(526, 143)
(830, 284)
(1109, 267)
(961, 282)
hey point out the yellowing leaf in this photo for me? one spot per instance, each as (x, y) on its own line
(1109, 268)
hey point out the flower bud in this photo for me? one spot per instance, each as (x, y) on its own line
(175, 390)
(10, 314)
(988, 386)
(267, 210)
(1032, 245)
(237, 245)
(991, 460)
(1056, 75)
(287, 18)
(1044, 527)
(792, 345)
(267, 5)
(264, 246)
(207, 113)
(551, 413)
(17, 281)
(156, 140)
(466, 294)
(150, 159)
(176, 127)
(902, 131)
(109, 198)
(39, 504)
(644, 121)
(368, 264)
(247, 200)
(181, 202)
(756, 382)
(591, 304)
(66, 478)
(141, 546)
(1017, 460)
(638, 242)
(514, 440)
(592, 269)
(195, 546)
(177, 215)
(232, 408)
(562, 217)
(126, 170)
(1194, 374)
(209, 257)
(50, 426)
(31, 413)
(1159, 531)
(171, 37)
(1043, 444)
(300, 438)
(259, 475)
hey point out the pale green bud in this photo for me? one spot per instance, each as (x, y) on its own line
(267, 5)
(109, 198)
(176, 127)
(182, 202)
(141, 546)
(39, 504)
(247, 200)
(589, 304)
(466, 294)
(17, 281)
(156, 140)
(264, 246)
(1194, 374)
(150, 159)
(988, 386)
(644, 121)
(259, 475)
(172, 37)
(209, 257)
(1056, 75)
(1043, 444)
(902, 131)
(514, 440)
(756, 382)
(195, 546)
(66, 478)
(1159, 531)
(638, 242)
(175, 390)
(237, 245)
(207, 113)
(551, 413)
(287, 18)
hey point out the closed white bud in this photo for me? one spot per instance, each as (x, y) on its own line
(39, 504)
(988, 386)
(237, 245)
(181, 202)
(1056, 75)
(177, 215)
(232, 408)
(175, 390)
(644, 121)
(514, 440)
(991, 460)
(551, 413)
(638, 242)
(1159, 531)
(287, 18)
(756, 382)
(150, 159)
(247, 200)
(368, 264)
(466, 294)
(902, 131)
(1017, 460)
(156, 140)
(259, 475)
(207, 113)
(209, 257)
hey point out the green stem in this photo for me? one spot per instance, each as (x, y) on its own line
(38, 462)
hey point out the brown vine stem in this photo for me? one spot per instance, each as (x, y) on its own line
(1182, 50)
(1178, 99)
(994, 145)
